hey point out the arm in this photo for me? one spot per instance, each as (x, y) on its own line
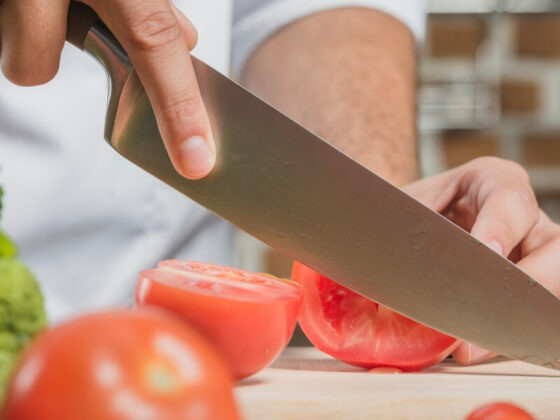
(349, 76)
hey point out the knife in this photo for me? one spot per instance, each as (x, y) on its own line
(300, 195)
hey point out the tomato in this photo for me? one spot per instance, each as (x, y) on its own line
(121, 365)
(361, 332)
(500, 411)
(250, 317)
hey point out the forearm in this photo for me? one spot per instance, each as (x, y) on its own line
(349, 76)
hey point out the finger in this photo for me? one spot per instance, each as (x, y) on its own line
(32, 35)
(541, 247)
(153, 38)
(435, 192)
(543, 265)
(468, 354)
(506, 215)
(189, 31)
(544, 231)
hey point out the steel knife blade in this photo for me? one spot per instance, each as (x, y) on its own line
(289, 188)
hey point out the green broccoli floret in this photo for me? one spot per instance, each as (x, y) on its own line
(7, 246)
(22, 313)
(7, 362)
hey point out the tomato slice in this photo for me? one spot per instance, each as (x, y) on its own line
(499, 411)
(361, 332)
(250, 317)
(121, 365)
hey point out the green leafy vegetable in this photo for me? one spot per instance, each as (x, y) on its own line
(7, 248)
(22, 313)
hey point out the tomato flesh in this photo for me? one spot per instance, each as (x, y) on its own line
(361, 332)
(121, 365)
(499, 411)
(249, 317)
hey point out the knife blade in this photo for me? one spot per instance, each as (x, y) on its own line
(297, 193)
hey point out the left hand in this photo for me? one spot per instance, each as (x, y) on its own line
(493, 200)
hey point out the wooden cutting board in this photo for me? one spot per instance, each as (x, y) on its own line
(307, 384)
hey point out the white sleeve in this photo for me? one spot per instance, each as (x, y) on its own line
(255, 20)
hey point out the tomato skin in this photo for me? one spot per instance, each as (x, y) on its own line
(121, 365)
(361, 332)
(499, 411)
(250, 324)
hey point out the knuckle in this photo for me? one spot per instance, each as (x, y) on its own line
(182, 110)
(154, 30)
(516, 169)
(504, 230)
(487, 161)
(521, 195)
(503, 165)
(527, 195)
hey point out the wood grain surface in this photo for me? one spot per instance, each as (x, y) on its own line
(307, 384)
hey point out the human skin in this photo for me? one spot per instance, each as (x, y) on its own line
(157, 38)
(493, 200)
(348, 75)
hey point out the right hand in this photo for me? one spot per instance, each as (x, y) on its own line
(157, 38)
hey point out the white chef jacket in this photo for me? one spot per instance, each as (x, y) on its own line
(86, 220)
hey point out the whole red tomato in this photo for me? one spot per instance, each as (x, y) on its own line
(121, 365)
(499, 411)
(249, 317)
(361, 332)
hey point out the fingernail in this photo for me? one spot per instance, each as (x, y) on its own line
(196, 158)
(477, 354)
(495, 246)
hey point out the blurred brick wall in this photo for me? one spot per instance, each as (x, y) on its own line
(455, 36)
(537, 36)
(516, 58)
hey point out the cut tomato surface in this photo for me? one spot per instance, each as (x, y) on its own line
(250, 317)
(121, 365)
(361, 332)
(500, 411)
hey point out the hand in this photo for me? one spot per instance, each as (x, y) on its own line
(493, 200)
(156, 36)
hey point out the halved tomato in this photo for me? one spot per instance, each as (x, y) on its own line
(121, 365)
(499, 411)
(250, 317)
(361, 332)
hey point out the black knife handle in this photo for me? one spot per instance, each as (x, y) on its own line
(86, 31)
(80, 20)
